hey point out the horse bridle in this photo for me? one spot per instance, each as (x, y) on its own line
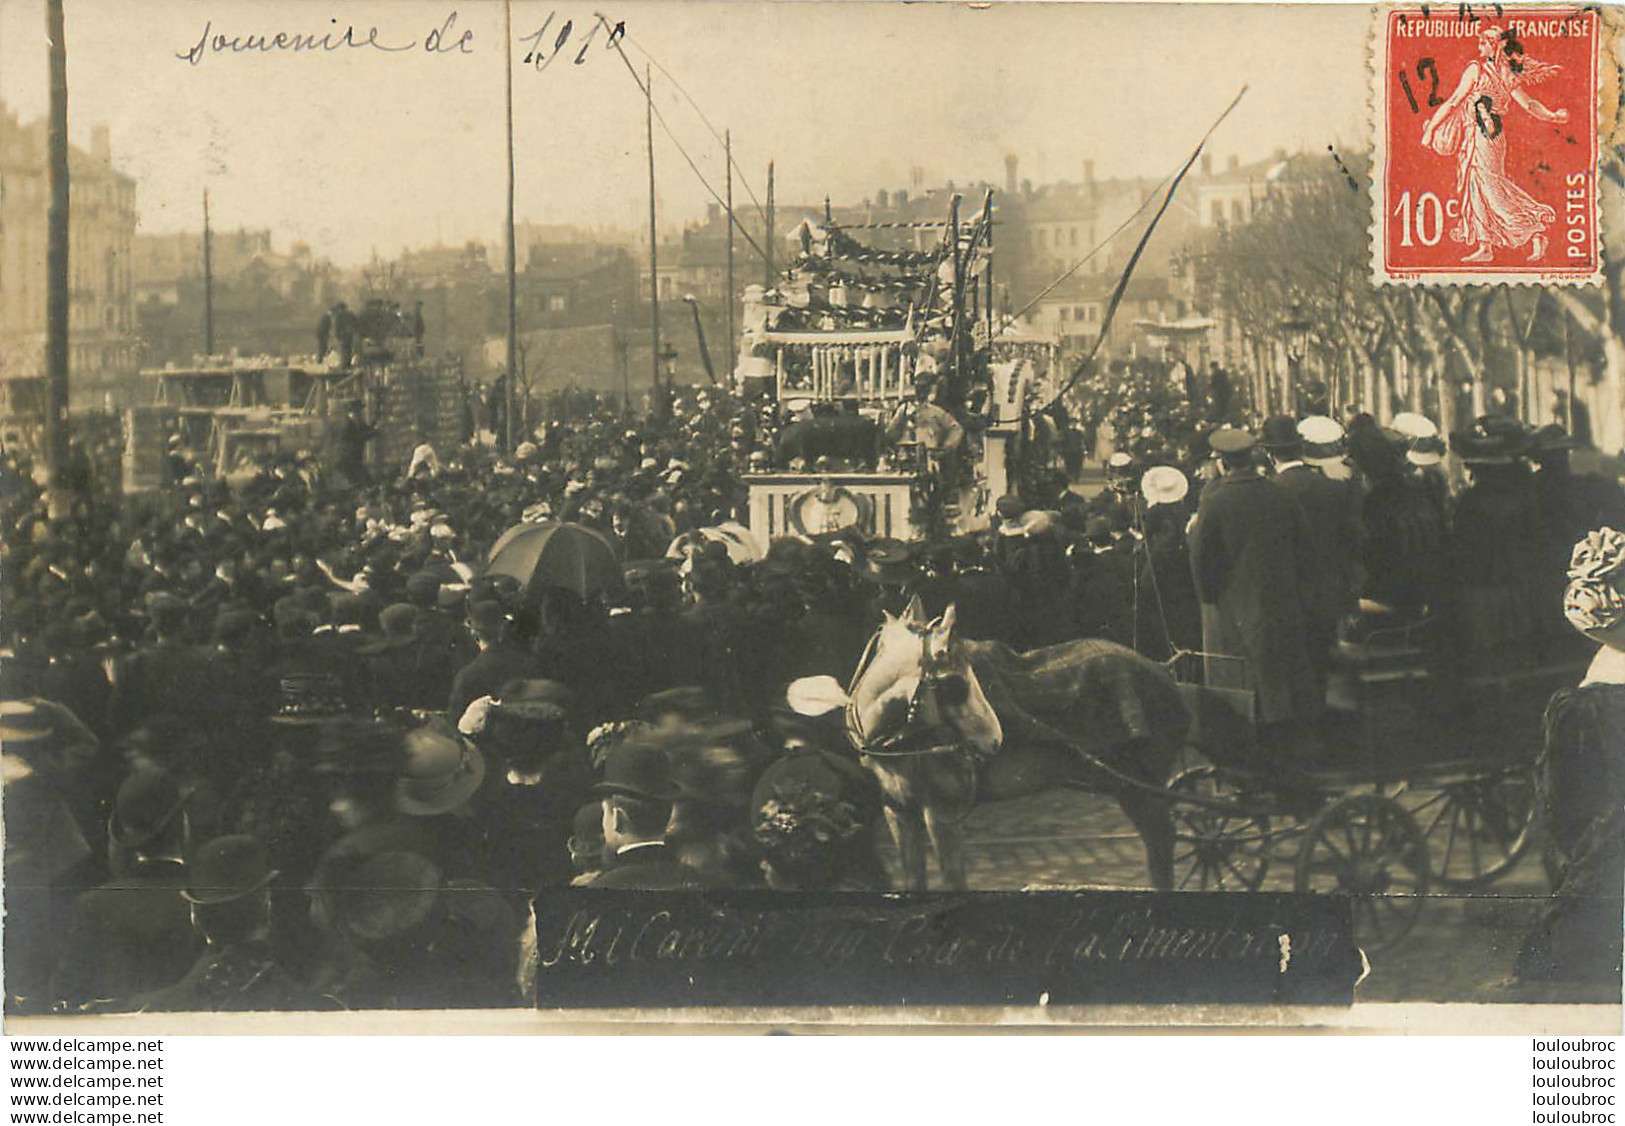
(932, 672)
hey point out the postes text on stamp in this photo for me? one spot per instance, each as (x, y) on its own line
(1486, 146)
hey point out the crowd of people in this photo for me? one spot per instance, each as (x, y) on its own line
(287, 745)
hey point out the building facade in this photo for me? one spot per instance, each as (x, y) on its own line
(102, 341)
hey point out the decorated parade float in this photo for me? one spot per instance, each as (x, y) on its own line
(907, 412)
(233, 411)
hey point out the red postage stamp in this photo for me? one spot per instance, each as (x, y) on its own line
(1485, 168)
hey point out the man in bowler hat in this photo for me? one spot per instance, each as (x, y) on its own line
(229, 890)
(637, 794)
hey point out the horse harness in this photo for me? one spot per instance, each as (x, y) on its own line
(910, 740)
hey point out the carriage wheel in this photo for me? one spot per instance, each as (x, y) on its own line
(1215, 850)
(1368, 847)
(1479, 829)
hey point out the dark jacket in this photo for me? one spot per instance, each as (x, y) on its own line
(1333, 512)
(647, 868)
(135, 935)
(486, 673)
(243, 977)
(158, 679)
(1251, 557)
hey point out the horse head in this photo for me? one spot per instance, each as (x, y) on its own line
(913, 691)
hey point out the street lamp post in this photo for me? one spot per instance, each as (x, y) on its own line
(1295, 329)
(668, 356)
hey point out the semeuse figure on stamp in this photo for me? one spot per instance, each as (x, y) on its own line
(1470, 125)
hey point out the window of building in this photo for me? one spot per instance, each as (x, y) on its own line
(1236, 210)
(555, 303)
(1066, 313)
(1074, 236)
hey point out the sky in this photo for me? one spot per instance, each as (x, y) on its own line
(362, 150)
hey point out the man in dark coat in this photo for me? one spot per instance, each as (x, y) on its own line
(229, 889)
(1333, 511)
(498, 662)
(352, 446)
(637, 793)
(135, 931)
(399, 669)
(1251, 556)
(162, 677)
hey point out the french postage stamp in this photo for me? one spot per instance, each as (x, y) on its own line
(1485, 167)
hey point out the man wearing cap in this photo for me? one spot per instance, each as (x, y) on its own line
(637, 795)
(1333, 512)
(229, 889)
(1251, 557)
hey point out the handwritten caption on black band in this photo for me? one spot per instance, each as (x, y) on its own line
(540, 47)
(599, 948)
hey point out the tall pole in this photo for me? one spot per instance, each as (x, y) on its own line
(208, 280)
(513, 283)
(728, 156)
(56, 254)
(769, 241)
(654, 253)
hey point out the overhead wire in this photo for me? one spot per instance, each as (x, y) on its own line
(660, 117)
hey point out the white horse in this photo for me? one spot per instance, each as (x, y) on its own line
(944, 722)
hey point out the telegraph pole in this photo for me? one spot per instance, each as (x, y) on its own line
(56, 255)
(654, 253)
(767, 243)
(513, 284)
(208, 281)
(728, 157)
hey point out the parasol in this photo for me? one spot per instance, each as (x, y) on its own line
(570, 556)
(736, 538)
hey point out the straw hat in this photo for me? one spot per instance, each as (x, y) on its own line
(1163, 484)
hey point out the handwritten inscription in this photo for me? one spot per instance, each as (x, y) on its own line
(604, 948)
(612, 939)
(541, 47)
(547, 44)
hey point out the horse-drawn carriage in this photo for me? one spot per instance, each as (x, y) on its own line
(1424, 778)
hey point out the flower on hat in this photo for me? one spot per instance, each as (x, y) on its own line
(1600, 554)
(1595, 599)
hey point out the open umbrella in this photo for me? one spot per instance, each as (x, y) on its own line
(570, 556)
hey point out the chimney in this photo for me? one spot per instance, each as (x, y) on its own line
(1234, 162)
(1088, 171)
(1010, 163)
(902, 197)
(713, 212)
(101, 144)
(883, 199)
(1207, 164)
(1280, 155)
(916, 176)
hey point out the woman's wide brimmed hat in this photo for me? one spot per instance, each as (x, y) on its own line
(440, 772)
(1594, 602)
(1489, 440)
